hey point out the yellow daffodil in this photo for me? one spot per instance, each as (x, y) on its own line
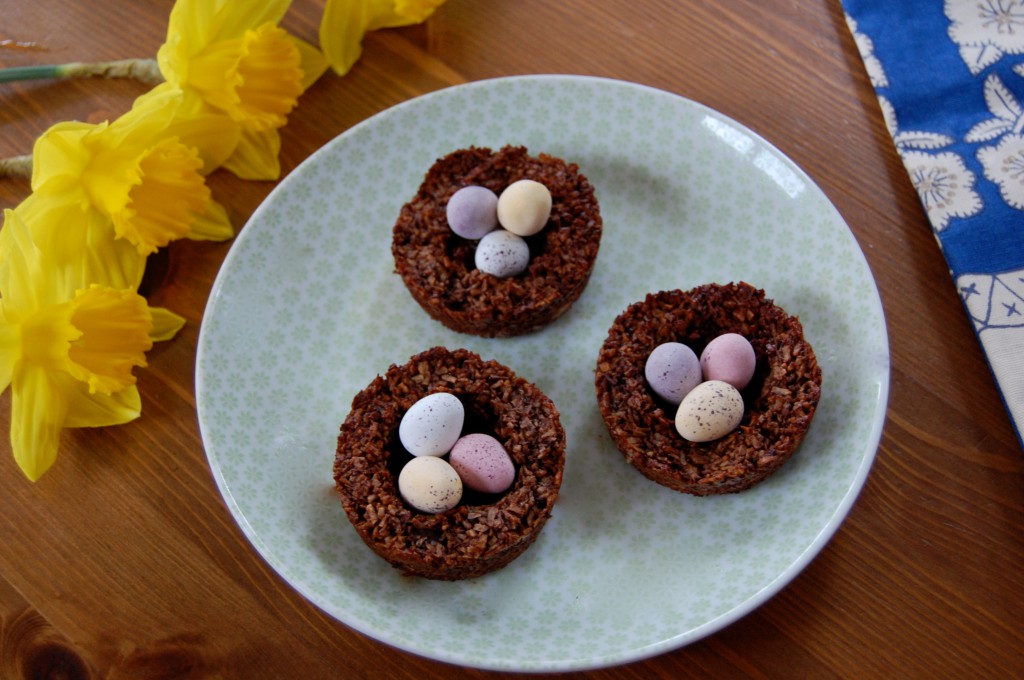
(345, 22)
(67, 348)
(112, 193)
(233, 58)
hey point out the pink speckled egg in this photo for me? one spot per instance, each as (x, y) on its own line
(730, 358)
(482, 463)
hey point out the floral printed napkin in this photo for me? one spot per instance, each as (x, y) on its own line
(950, 80)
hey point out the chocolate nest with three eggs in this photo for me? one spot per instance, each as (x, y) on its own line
(780, 400)
(484, 532)
(437, 266)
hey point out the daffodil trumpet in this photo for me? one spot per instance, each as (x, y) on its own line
(68, 345)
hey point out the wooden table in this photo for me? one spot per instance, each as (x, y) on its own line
(123, 561)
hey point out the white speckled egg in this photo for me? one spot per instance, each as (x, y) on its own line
(472, 212)
(524, 207)
(501, 253)
(672, 370)
(483, 463)
(710, 411)
(433, 425)
(729, 357)
(430, 484)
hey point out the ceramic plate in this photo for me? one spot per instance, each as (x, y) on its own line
(306, 311)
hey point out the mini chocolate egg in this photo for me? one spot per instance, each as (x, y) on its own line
(432, 425)
(729, 357)
(501, 253)
(524, 207)
(710, 411)
(483, 463)
(430, 484)
(472, 212)
(672, 370)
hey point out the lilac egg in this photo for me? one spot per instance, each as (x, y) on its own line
(672, 370)
(472, 212)
(730, 358)
(482, 463)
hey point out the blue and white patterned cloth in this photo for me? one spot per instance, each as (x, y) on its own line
(950, 80)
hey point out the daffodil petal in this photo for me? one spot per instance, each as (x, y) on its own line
(189, 26)
(256, 156)
(166, 324)
(10, 349)
(58, 152)
(345, 22)
(213, 135)
(236, 17)
(213, 225)
(19, 267)
(194, 24)
(147, 120)
(313, 64)
(100, 410)
(342, 27)
(38, 411)
(415, 11)
(393, 13)
(75, 246)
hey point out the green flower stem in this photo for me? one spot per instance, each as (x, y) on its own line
(17, 166)
(143, 70)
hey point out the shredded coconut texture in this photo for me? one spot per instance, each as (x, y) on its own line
(438, 266)
(482, 533)
(779, 402)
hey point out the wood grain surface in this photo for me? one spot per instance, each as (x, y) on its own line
(123, 561)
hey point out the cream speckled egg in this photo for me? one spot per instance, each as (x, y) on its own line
(710, 411)
(524, 207)
(430, 484)
(433, 425)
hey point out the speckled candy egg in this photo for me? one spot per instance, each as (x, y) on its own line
(672, 370)
(524, 207)
(501, 253)
(729, 357)
(433, 425)
(430, 484)
(482, 463)
(710, 411)
(473, 212)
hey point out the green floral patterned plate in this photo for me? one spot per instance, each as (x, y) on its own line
(306, 311)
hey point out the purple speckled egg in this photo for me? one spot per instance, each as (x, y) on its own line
(472, 212)
(482, 463)
(730, 358)
(672, 370)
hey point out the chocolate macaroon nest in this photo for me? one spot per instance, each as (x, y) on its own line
(779, 402)
(438, 266)
(484, 532)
